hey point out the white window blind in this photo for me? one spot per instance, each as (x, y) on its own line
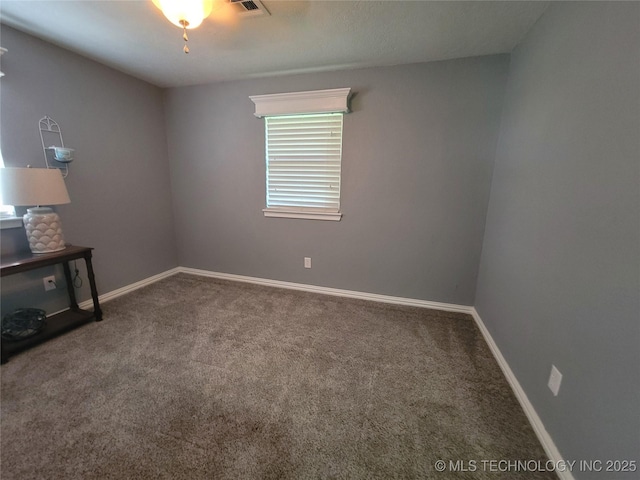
(304, 155)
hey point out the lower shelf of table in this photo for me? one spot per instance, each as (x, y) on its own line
(55, 325)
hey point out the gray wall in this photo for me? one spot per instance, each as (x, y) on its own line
(417, 161)
(119, 183)
(559, 276)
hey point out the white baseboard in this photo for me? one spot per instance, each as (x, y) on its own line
(449, 307)
(88, 304)
(538, 427)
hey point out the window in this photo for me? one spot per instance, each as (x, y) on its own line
(6, 211)
(303, 150)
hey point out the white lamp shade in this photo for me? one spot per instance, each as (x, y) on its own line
(32, 186)
(191, 11)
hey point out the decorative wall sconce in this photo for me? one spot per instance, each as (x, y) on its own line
(54, 156)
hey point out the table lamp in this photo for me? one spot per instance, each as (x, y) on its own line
(34, 187)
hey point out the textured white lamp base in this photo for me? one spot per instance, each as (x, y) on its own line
(44, 230)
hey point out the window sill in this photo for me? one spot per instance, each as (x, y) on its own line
(332, 216)
(10, 222)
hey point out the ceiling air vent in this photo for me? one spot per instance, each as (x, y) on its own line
(249, 8)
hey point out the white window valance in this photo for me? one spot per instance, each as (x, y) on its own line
(316, 101)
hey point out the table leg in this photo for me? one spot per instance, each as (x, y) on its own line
(73, 303)
(94, 291)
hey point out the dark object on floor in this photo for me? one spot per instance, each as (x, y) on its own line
(23, 323)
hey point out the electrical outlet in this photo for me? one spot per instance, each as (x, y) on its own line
(307, 262)
(49, 283)
(555, 379)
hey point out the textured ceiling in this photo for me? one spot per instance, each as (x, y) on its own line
(298, 36)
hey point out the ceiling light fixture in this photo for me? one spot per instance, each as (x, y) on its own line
(185, 14)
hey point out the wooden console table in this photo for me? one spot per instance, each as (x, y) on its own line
(63, 321)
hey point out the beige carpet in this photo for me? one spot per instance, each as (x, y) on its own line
(198, 378)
